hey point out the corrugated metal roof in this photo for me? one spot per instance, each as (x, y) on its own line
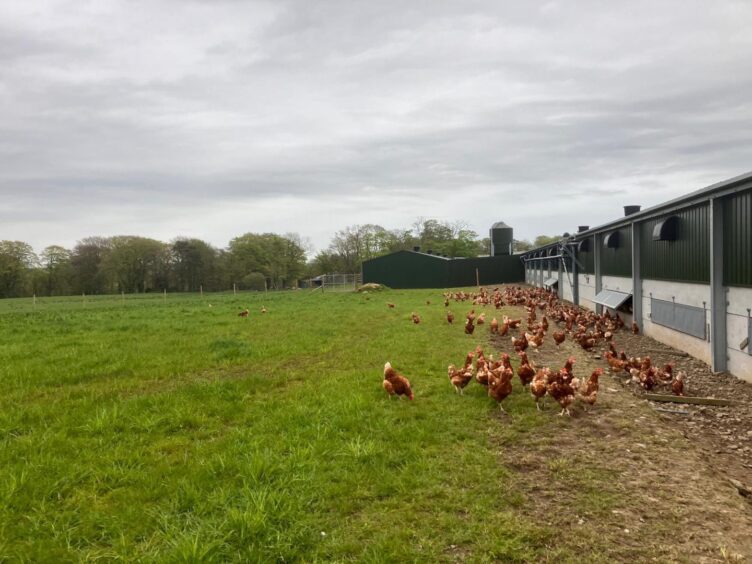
(740, 182)
(432, 255)
(725, 187)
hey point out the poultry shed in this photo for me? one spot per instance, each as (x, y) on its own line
(681, 270)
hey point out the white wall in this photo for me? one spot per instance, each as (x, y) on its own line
(536, 274)
(587, 290)
(618, 283)
(697, 295)
(682, 293)
(566, 288)
(528, 273)
(739, 362)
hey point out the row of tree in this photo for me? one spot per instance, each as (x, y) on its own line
(355, 244)
(105, 265)
(130, 264)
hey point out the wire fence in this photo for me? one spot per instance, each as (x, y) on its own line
(326, 283)
(334, 282)
(83, 301)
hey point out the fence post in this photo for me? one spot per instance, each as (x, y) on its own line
(201, 289)
(234, 289)
(164, 296)
(477, 278)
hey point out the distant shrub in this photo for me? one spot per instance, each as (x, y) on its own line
(254, 281)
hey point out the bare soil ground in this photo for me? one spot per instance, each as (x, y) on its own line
(669, 485)
(724, 433)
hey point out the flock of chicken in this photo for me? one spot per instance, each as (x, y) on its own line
(586, 328)
(497, 377)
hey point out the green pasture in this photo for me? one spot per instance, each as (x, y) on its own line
(172, 430)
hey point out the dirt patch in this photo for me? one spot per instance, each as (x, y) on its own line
(635, 482)
(723, 433)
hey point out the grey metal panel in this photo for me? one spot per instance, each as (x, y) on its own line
(611, 298)
(684, 318)
(749, 336)
(551, 281)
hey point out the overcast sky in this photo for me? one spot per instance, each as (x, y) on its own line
(214, 118)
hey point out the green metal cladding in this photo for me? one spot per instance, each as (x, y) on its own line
(408, 269)
(587, 258)
(686, 259)
(675, 239)
(618, 261)
(491, 270)
(737, 240)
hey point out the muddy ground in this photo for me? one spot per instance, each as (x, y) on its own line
(677, 475)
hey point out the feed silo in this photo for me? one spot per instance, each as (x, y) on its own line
(501, 236)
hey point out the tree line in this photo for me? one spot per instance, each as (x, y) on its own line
(253, 261)
(131, 264)
(354, 244)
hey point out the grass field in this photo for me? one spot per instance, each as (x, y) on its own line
(172, 430)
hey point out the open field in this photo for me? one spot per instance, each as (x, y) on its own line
(174, 430)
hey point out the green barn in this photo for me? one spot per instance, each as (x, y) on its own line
(416, 269)
(680, 270)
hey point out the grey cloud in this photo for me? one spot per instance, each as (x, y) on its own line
(157, 112)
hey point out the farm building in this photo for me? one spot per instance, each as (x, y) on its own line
(682, 270)
(416, 269)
